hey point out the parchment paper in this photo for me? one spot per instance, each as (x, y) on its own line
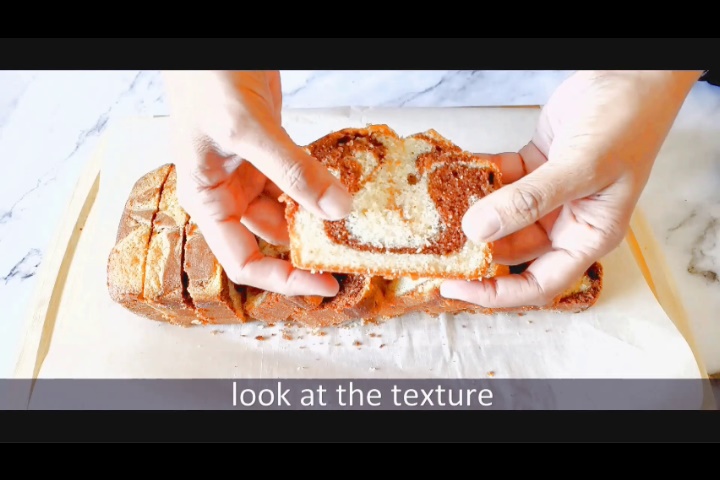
(626, 334)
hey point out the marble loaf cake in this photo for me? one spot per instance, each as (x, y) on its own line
(389, 257)
(409, 198)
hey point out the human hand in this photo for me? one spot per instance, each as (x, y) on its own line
(569, 194)
(234, 161)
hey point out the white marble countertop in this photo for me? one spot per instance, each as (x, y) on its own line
(51, 121)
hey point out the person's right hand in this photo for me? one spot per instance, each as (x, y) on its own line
(234, 161)
(570, 193)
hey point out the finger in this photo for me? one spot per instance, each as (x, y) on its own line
(511, 165)
(593, 226)
(272, 190)
(276, 93)
(265, 217)
(514, 166)
(295, 172)
(548, 221)
(236, 249)
(227, 200)
(545, 279)
(522, 246)
(522, 203)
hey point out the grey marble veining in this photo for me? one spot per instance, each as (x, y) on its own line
(51, 121)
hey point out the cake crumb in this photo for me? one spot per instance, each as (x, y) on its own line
(491, 374)
(382, 346)
(260, 338)
(286, 336)
(216, 332)
(357, 343)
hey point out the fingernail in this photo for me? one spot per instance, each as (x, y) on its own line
(449, 290)
(482, 225)
(336, 203)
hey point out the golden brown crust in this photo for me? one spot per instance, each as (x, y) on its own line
(138, 307)
(207, 283)
(428, 301)
(271, 307)
(126, 261)
(580, 301)
(267, 307)
(165, 289)
(359, 298)
(455, 178)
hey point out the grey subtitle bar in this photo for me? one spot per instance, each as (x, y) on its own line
(356, 394)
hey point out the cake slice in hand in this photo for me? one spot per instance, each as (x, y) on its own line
(127, 259)
(410, 196)
(164, 286)
(216, 299)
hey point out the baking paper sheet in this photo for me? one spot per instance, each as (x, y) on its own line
(626, 334)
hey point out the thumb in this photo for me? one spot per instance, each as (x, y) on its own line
(522, 203)
(304, 179)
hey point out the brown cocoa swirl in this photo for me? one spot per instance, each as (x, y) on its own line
(337, 152)
(350, 293)
(452, 182)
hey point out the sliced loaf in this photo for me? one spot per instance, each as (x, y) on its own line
(127, 259)
(271, 307)
(164, 279)
(217, 300)
(360, 298)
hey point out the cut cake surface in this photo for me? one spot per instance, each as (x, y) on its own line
(409, 197)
